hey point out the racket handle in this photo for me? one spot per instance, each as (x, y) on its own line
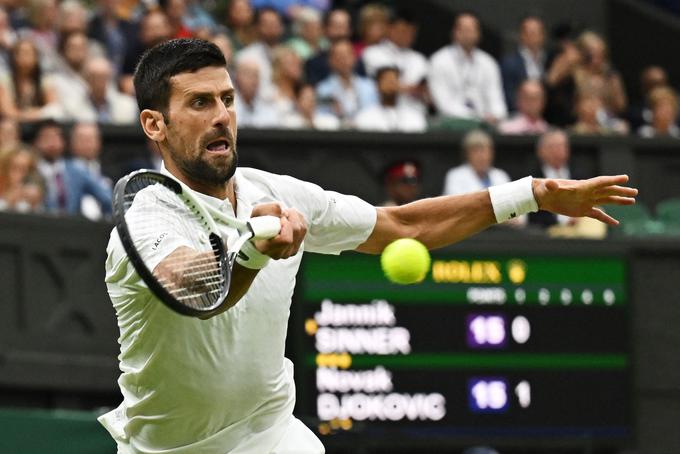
(264, 227)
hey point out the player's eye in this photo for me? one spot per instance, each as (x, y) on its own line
(228, 100)
(199, 102)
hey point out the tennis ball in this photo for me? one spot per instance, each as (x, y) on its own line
(405, 261)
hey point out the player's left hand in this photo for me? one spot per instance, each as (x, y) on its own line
(578, 198)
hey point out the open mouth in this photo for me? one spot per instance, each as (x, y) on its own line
(218, 146)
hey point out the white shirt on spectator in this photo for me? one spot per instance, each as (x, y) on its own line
(463, 179)
(120, 109)
(648, 131)
(466, 87)
(258, 114)
(412, 65)
(261, 53)
(322, 121)
(382, 118)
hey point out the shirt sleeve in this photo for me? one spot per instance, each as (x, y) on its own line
(335, 222)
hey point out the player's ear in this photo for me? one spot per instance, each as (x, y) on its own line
(153, 123)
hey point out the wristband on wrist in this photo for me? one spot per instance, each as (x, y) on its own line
(513, 199)
(250, 257)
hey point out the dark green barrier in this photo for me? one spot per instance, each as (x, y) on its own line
(52, 432)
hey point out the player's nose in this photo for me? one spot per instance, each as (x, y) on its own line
(221, 115)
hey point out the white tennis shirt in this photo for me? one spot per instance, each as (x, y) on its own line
(223, 384)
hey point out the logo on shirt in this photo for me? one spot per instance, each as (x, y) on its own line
(159, 240)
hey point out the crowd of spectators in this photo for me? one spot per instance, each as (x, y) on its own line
(303, 64)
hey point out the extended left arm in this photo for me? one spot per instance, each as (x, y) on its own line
(441, 221)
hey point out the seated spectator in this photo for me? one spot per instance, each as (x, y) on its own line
(465, 81)
(527, 62)
(86, 146)
(222, 41)
(306, 115)
(72, 18)
(372, 27)
(595, 74)
(199, 20)
(10, 136)
(393, 113)
(269, 33)
(43, 31)
(402, 181)
(116, 35)
(240, 23)
(308, 39)
(477, 171)
(552, 151)
(530, 104)
(21, 187)
(286, 78)
(68, 80)
(650, 78)
(102, 102)
(592, 118)
(154, 28)
(253, 110)
(344, 92)
(664, 104)
(66, 181)
(337, 26)
(25, 94)
(175, 11)
(560, 78)
(396, 50)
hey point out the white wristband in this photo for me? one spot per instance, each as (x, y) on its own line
(513, 199)
(250, 257)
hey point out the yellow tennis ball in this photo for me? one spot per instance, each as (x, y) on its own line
(405, 261)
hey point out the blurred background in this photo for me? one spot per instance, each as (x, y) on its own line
(546, 335)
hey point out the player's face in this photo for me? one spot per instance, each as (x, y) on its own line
(201, 127)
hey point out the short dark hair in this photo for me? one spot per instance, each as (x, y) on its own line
(261, 12)
(161, 62)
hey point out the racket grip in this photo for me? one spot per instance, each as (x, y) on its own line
(264, 227)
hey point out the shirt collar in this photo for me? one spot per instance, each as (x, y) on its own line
(247, 194)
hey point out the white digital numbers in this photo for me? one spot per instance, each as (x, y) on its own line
(521, 329)
(523, 393)
(486, 330)
(488, 396)
(490, 330)
(493, 394)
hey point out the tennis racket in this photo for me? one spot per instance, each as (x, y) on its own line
(175, 244)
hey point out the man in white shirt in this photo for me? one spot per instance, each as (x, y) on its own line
(396, 50)
(270, 31)
(465, 81)
(253, 110)
(393, 113)
(477, 172)
(222, 384)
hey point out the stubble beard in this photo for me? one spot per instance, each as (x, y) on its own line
(201, 170)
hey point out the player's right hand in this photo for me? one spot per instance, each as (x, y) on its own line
(293, 230)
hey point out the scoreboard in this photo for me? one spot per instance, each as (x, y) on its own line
(489, 346)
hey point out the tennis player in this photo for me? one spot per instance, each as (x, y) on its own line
(222, 384)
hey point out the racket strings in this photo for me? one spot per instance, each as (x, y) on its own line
(193, 275)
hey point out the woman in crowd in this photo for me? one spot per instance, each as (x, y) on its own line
(372, 28)
(21, 188)
(239, 19)
(286, 78)
(663, 102)
(25, 94)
